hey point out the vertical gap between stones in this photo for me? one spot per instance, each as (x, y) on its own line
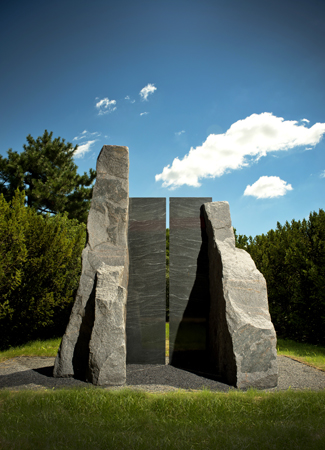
(167, 295)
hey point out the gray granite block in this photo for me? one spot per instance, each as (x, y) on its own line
(107, 228)
(188, 283)
(107, 347)
(242, 339)
(146, 305)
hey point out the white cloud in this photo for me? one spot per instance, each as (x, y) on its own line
(305, 120)
(105, 106)
(85, 134)
(129, 98)
(322, 175)
(149, 89)
(178, 133)
(308, 148)
(246, 141)
(268, 187)
(144, 114)
(83, 148)
(81, 136)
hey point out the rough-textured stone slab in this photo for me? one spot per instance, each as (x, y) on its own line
(188, 283)
(146, 308)
(107, 347)
(242, 339)
(107, 228)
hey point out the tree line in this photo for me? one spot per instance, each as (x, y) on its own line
(292, 260)
(44, 205)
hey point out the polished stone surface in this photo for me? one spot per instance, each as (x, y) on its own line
(188, 282)
(146, 304)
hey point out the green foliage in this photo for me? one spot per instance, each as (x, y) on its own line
(40, 263)
(48, 174)
(13, 252)
(167, 275)
(292, 260)
(242, 241)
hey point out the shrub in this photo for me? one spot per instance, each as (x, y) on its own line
(40, 264)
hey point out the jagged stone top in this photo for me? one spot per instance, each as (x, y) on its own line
(220, 220)
(113, 160)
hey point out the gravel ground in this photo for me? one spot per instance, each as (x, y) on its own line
(35, 373)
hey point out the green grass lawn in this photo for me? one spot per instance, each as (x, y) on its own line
(312, 355)
(34, 348)
(91, 418)
(86, 419)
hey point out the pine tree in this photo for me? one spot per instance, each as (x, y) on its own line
(48, 174)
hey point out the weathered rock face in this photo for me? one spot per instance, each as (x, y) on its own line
(107, 347)
(242, 339)
(84, 351)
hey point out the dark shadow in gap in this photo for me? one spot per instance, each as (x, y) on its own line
(191, 343)
(46, 371)
(81, 351)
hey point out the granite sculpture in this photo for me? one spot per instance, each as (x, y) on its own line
(242, 339)
(219, 317)
(94, 344)
(146, 307)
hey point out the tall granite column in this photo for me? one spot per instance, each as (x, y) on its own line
(242, 339)
(94, 344)
(146, 310)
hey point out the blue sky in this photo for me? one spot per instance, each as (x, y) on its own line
(232, 102)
